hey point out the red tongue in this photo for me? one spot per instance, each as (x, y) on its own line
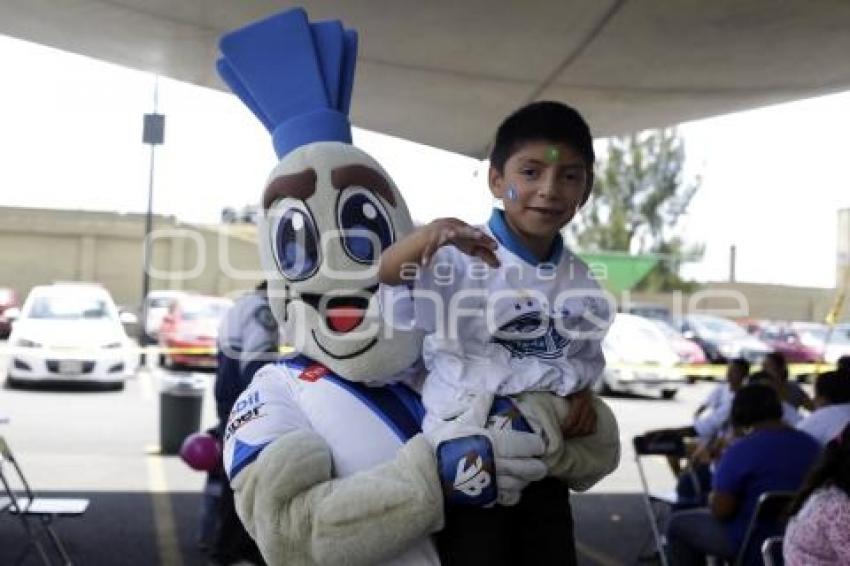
(344, 319)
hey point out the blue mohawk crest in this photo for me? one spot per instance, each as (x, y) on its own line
(295, 76)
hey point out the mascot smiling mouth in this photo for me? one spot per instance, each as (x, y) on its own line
(342, 314)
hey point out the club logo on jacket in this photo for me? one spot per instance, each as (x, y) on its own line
(531, 334)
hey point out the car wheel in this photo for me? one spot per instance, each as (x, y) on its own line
(12, 383)
(668, 394)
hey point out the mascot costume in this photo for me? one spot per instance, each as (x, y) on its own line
(324, 449)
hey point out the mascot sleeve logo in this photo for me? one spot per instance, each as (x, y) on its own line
(467, 471)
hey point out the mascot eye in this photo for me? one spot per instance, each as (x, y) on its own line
(364, 224)
(295, 240)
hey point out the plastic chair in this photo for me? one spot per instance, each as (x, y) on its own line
(771, 552)
(767, 521)
(37, 514)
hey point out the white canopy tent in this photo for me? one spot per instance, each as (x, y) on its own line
(443, 73)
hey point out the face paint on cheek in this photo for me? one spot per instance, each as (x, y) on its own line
(553, 154)
(511, 194)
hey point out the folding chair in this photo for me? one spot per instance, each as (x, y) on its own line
(659, 444)
(37, 514)
(768, 520)
(771, 552)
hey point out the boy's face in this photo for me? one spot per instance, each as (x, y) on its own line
(542, 187)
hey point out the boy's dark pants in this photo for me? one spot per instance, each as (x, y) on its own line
(536, 531)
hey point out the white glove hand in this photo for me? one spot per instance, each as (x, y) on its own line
(469, 455)
(465, 459)
(517, 451)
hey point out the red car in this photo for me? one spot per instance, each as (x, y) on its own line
(189, 331)
(689, 352)
(785, 340)
(8, 302)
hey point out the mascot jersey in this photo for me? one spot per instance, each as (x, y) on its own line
(363, 426)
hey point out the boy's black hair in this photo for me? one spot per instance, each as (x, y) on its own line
(834, 386)
(843, 363)
(546, 121)
(754, 404)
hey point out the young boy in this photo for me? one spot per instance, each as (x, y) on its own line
(507, 309)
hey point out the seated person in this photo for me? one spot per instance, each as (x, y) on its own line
(768, 456)
(713, 425)
(790, 414)
(720, 401)
(789, 391)
(818, 533)
(832, 402)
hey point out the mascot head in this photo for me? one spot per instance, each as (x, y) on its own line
(328, 209)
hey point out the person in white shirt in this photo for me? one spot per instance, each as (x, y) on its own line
(507, 309)
(832, 407)
(719, 401)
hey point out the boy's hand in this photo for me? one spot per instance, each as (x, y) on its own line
(461, 235)
(581, 420)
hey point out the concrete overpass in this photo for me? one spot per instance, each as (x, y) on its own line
(444, 72)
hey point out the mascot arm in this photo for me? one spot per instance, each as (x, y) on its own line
(298, 514)
(582, 461)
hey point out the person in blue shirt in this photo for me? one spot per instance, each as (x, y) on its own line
(769, 455)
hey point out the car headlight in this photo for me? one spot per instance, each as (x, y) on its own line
(24, 343)
(112, 345)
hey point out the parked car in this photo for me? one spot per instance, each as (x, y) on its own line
(188, 332)
(689, 352)
(784, 339)
(155, 308)
(812, 334)
(639, 359)
(650, 310)
(839, 343)
(722, 339)
(70, 332)
(8, 310)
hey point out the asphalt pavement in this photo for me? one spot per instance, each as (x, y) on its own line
(145, 506)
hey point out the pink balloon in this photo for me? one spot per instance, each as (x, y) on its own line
(201, 452)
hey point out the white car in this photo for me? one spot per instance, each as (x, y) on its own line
(70, 332)
(639, 359)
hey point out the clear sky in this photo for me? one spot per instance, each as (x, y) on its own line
(70, 137)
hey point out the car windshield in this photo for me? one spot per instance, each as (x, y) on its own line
(161, 302)
(69, 308)
(717, 327)
(840, 335)
(668, 331)
(198, 310)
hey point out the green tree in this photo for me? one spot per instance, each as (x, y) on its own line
(638, 199)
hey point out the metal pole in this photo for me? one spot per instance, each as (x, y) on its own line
(146, 258)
